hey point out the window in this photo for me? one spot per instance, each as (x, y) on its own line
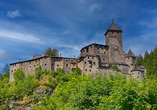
(90, 70)
(52, 64)
(94, 63)
(45, 64)
(21, 68)
(90, 62)
(57, 65)
(115, 36)
(85, 62)
(54, 60)
(137, 76)
(112, 32)
(30, 66)
(45, 58)
(92, 57)
(66, 60)
(104, 52)
(73, 65)
(30, 62)
(39, 60)
(98, 51)
(88, 57)
(104, 59)
(14, 69)
(66, 65)
(86, 70)
(12, 65)
(117, 32)
(49, 58)
(15, 64)
(71, 60)
(59, 60)
(37, 64)
(21, 63)
(34, 65)
(11, 70)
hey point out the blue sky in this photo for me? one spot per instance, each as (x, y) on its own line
(29, 27)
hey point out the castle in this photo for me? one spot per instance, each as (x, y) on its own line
(94, 58)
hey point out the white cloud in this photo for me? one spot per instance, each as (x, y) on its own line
(19, 36)
(93, 7)
(149, 24)
(13, 14)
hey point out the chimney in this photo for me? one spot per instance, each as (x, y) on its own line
(27, 58)
(60, 54)
(19, 60)
(42, 54)
(74, 56)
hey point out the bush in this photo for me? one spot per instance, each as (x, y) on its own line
(19, 75)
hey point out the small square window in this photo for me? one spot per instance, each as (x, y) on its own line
(86, 70)
(21, 63)
(21, 68)
(45, 64)
(104, 52)
(11, 70)
(66, 65)
(34, 65)
(71, 60)
(57, 65)
(92, 57)
(49, 58)
(137, 76)
(66, 60)
(85, 62)
(30, 66)
(90, 70)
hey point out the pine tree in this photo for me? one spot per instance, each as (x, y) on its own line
(6, 69)
(155, 62)
(146, 56)
(150, 64)
(139, 60)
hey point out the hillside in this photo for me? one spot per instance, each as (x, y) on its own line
(55, 90)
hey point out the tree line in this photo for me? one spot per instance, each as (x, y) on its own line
(149, 61)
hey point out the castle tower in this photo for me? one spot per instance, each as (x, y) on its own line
(113, 37)
(130, 60)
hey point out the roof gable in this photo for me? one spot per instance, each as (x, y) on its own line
(130, 54)
(114, 27)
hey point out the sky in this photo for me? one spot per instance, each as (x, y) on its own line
(29, 27)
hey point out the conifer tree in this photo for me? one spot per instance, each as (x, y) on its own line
(155, 62)
(139, 60)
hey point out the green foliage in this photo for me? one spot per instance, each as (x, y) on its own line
(139, 60)
(19, 75)
(78, 71)
(38, 72)
(51, 52)
(115, 67)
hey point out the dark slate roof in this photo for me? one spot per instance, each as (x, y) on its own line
(130, 54)
(137, 69)
(38, 56)
(97, 45)
(113, 27)
(142, 67)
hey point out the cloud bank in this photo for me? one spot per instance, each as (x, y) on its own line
(14, 14)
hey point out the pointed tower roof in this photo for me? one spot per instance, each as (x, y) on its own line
(130, 54)
(113, 27)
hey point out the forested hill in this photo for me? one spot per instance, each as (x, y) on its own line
(55, 90)
(149, 61)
